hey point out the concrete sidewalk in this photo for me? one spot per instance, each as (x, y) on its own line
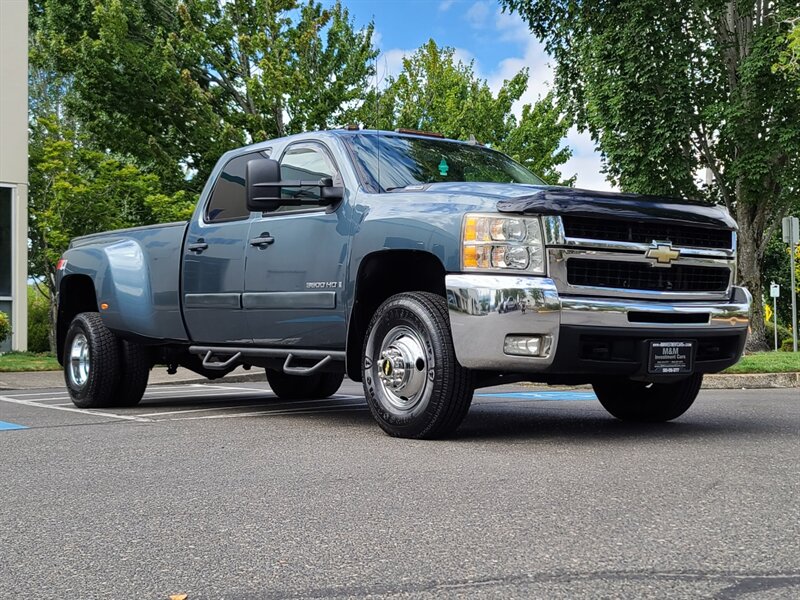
(159, 375)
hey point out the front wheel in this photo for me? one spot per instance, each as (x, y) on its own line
(647, 402)
(413, 382)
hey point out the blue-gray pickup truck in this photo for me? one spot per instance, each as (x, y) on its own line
(423, 267)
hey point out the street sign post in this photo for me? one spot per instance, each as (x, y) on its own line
(791, 235)
(774, 293)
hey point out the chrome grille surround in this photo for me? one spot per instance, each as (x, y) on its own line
(560, 249)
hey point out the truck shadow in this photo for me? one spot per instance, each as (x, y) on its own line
(578, 425)
(565, 422)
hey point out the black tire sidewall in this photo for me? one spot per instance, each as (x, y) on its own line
(403, 310)
(104, 362)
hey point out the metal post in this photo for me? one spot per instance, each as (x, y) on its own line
(794, 298)
(791, 235)
(775, 318)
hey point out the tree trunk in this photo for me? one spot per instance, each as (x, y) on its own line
(750, 258)
(51, 333)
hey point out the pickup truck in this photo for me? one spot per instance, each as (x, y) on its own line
(423, 267)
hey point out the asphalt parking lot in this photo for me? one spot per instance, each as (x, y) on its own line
(223, 491)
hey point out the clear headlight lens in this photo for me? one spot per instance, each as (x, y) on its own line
(503, 243)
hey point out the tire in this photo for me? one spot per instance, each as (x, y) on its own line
(413, 382)
(304, 387)
(134, 373)
(641, 402)
(91, 362)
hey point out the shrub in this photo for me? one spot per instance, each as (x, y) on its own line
(5, 327)
(788, 345)
(784, 334)
(38, 321)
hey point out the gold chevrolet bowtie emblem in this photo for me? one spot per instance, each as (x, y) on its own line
(662, 253)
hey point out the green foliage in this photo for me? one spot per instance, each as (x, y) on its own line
(667, 92)
(775, 267)
(39, 323)
(537, 141)
(75, 190)
(436, 92)
(175, 83)
(5, 327)
(784, 335)
(789, 57)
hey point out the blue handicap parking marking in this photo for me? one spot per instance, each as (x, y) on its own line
(5, 426)
(547, 396)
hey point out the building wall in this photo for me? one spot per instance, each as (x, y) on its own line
(14, 155)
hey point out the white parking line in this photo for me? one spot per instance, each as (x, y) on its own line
(35, 394)
(83, 411)
(230, 387)
(197, 396)
(193, 410)
(270, 413)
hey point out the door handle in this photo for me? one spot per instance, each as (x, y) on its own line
(265, 239)
(198, 247)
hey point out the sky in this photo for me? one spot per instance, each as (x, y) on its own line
(500, 45)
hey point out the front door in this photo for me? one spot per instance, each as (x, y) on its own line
(213, 261)
(295, 263)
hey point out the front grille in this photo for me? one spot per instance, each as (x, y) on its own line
(642, 276)
(633, 231)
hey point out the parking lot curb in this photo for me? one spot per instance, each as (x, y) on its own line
(751, 381)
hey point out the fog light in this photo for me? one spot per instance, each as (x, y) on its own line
(523, 345)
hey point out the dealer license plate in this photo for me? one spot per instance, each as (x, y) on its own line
(669, 358)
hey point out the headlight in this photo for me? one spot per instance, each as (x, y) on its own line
(492, 243)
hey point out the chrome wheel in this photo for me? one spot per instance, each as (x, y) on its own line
(78, 370)
(402, 368)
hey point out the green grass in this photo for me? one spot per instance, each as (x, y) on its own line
(28, 361)
(767, 362)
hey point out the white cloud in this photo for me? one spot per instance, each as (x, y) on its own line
(585, 161)
(511, 26)
(377, 38)
(390, 64)
(477, 15)
(445, 5)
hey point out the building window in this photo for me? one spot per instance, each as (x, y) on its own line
(5, 241)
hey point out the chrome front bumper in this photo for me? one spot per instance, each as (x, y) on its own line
(484, 309)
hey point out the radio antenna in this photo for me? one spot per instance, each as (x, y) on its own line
(377, 118)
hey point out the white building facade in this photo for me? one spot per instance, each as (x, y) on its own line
(14, 169)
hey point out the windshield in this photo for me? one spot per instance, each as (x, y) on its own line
(408, 161)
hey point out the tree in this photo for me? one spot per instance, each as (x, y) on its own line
(175, 83)
(436, 92)
(75, 190)
(667, 91)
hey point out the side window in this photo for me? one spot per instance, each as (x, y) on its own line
(228, 200)
(305, 163)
